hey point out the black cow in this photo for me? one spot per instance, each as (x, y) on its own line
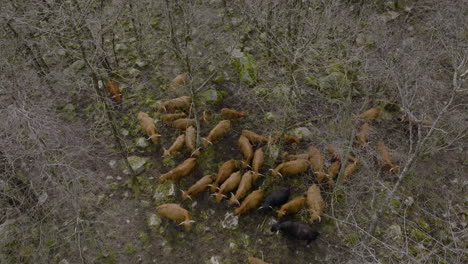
(296, 230)
(276, 198)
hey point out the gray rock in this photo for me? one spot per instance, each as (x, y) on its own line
(141, 142)
(137, 164)
(389, 16)
(230, 221)
(210, 97)
(214, 260)
(134, 72)
(140, 63)
(394, 232)
(269, 116)
(75, 67)
(154, 221)
(164, 193)
(121, 47)
(303, 133)
(271, 154)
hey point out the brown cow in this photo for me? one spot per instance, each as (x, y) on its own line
(176, 213)
(220, 130)
(314, 201)
(147, 124)
(182, 170)
(232, 114)
(114, 91)
(252, 201)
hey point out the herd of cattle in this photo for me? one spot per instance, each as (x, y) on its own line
(230, 180)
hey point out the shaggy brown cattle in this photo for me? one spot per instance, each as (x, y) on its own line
(371, 114)
(314, 201)
(184, 123)
(147, 124)
(179, 80)
(176, 213)
(224, 172)
(220, 130)
(304, 156)
(254, 138)
(317, 162)
(291, 167)
(257, 162)
(291, 207)
(232, 114)
(244, 186)
(351, 167)
(181, 103)
(253, 260)
(385, 157)
(199, 187)
(362, 135)
(333, 152)
(175, 147)
(290, 139)
(246, 150)
(191, 141)
(182, 170)
(252, 201)
(114, 91)
(169, 118)
(229, 185)
(333, 171)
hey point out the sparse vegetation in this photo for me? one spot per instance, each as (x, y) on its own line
(79, 177)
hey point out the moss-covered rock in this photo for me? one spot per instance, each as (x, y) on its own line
(75, 67)
(419, 235)
(164, 193)
(269, 116)
(271, 155)
(230, 221)
(141, 142)
(303, 133)
(137, 164)
(154, 223)
(245, 66)
(394, 232)
(210, 97)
